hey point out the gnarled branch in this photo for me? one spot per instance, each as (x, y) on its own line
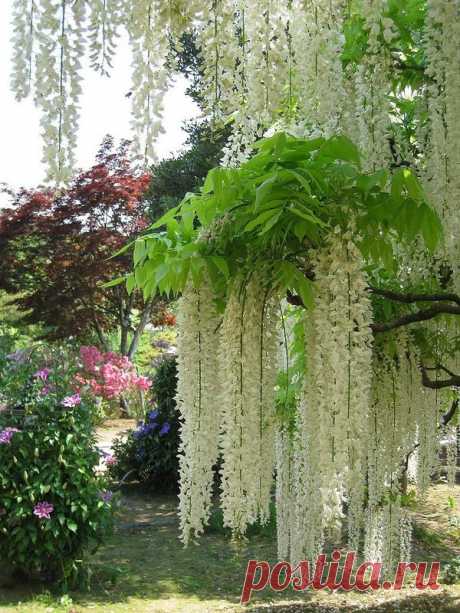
(443, 308)
(410, 318)
(413, 298)
(436, 384)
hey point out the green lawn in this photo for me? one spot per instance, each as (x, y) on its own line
(144, 568)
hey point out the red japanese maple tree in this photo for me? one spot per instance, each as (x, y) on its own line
(56, 248)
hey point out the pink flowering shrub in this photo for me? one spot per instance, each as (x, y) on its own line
(109, 375)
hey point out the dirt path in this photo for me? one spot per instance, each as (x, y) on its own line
(109, 431)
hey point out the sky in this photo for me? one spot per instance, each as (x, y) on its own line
(104, 110)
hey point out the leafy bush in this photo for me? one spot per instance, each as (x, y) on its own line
(149, 453)
(53, 507)
(451, 572)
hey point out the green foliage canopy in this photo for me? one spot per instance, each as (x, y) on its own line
(275, 209)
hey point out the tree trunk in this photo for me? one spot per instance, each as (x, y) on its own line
(124, 407)
(124, 340)
(100, 335)
(125, 309)
(144, 320)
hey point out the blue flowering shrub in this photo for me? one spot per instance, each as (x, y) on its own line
(149, 454)
(54, 508)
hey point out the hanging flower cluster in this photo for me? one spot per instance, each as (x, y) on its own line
(104, 20)
(148, 29)
(442, 177)
(317, 44)
(261, 61)
(58, 55)
(372, 86)
(199, 406)
(248, 362)
(330, 444)
(230, 410)
(363, 425)
(286, 510)
(404, 437)
(24, 24)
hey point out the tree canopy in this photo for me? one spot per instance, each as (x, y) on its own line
(57, 245)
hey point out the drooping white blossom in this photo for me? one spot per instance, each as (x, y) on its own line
(330, 445)
(198, 403)
(104, 21)
(60, 47)
(443, 91)
(24, 26)
(286, 510)
(261, 62)
(248, 365)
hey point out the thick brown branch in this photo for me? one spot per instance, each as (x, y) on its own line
(436, 384)
(410, 318)
(412, 298)
(447, 417)
(424, 315)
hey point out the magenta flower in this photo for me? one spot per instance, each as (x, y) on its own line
(46, 389)
(142, 383)
(91, 357)
(6, 435)
(110, 460)
(71, 401)
(110, 374)
(43, 510)
(42, 374)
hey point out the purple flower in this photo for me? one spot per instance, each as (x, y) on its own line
(43, 510)
(106, 496)
(150, 427)
(71, 401)
(139, 432)
(42, 374)
(144, 429)
(165, 428)
(19, 356)
(6, 435)
(46, 389)
(162, 344)
(110, 460)
(153, 415)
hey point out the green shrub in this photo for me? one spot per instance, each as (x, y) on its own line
(150, 453)
(451, 572)
(53, 507)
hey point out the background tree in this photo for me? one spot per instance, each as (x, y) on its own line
(172, 178)
(185, 172)
(56, 251)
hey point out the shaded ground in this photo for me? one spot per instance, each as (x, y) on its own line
(145, 569)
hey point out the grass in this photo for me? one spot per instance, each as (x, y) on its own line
(144, 568)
